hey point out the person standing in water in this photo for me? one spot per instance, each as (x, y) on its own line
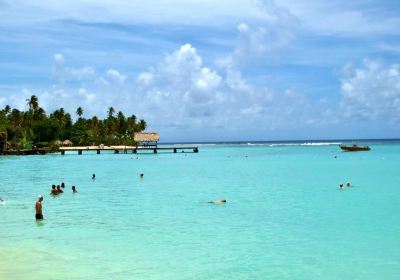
(38, 208)
(74, 189)
(94, 176)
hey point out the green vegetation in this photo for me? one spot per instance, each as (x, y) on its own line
(23, 129)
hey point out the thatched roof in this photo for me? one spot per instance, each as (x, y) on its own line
(67, 143)
(147, 137)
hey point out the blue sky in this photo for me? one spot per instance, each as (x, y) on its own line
(206, 71)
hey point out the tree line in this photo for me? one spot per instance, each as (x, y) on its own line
(24, 129)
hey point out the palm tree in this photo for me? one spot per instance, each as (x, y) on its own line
(33, 103)
(7, 109)
(39, 114)
(142, 125)
(3, 130)
(111, 112)
(79, 112)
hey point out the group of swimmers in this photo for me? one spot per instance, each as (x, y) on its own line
(341, 186)
(56, 190)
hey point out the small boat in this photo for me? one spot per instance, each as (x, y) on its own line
(354, 148)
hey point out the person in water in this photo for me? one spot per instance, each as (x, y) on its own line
(59, 190)
(348, 184)
(54, 190)
(341, 186)
(221, 201)
(94, 176)
(62, 185)
(74, 189)
(141, 175)
(38, 208)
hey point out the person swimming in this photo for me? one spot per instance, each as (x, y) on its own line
(62, 185)
(341, 186)
(54, 191)
(220, 201)
(38, 208)
(59, 190)
(348, 184)
(94, 176)
(141, 175)
(74, 189)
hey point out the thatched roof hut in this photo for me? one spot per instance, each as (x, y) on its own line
(147, 138)
(67, 143)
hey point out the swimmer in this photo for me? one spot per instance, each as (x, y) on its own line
(341, 186)
(38, 208)
(348, 184)
(94, 176)
(53, 190)
(221, 201)
(74, 189)
(62, 185)
(141, 175)
(59, 190)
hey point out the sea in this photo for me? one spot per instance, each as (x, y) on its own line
(285, 215)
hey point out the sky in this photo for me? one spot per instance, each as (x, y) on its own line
(211, 70)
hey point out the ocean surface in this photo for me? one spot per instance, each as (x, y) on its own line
(285, 217)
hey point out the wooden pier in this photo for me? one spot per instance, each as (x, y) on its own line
(115, 149)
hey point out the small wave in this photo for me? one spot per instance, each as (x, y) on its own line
(256, 144)
(306, 144)
(321, 144)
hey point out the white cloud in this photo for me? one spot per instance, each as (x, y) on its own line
(258, 40)
(145, 78)
(63, 73)
(116, 77)
(372, 91)
(185, 93)
(3, 101)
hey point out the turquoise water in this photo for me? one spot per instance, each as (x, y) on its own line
(285, 217)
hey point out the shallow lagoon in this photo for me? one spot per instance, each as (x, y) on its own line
(285, 217)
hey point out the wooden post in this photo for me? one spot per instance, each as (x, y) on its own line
(196, 150)
(155, 151)
(79, 152)
(134, 151)
(98, 152)
(175, 150)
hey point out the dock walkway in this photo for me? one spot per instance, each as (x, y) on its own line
(98, 149)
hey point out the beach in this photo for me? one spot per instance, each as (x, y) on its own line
(285, 217)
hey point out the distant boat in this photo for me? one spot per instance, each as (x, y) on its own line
(354, 148)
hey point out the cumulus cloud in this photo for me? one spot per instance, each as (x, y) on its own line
(116, 77)
(276, 30)
(185, 92)
(371, 91)
(63, 73)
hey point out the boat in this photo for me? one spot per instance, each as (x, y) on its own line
(354, 148)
